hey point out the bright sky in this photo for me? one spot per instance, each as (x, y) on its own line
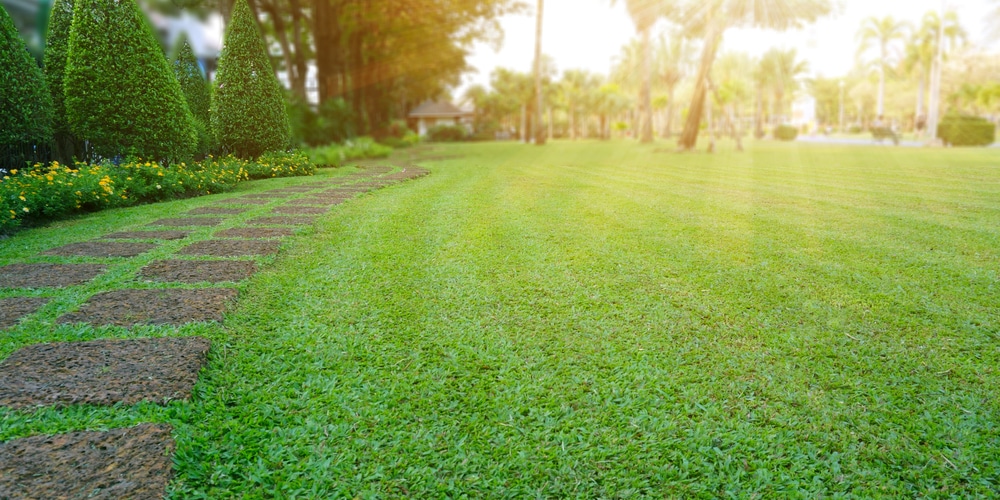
(588, 34)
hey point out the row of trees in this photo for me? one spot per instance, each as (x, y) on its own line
(107, 90)
(380, 57)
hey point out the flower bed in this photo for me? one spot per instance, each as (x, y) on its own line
(50, 191)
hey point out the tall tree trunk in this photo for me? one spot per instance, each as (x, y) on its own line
(759, 115)
(299, 83)
(690, 135)
(281, 33)
(539, 132)
(646, 120)
(668, 131)
(551, 122)
(524, 123)
(327, 35)
(572, 123)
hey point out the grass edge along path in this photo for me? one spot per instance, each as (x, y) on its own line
(24, 474)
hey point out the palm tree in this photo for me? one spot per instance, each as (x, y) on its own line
(782, 70)
(644, 14)
(922, 46)
(711, 19)
(539, 133)
(672, 60)
(883, 33)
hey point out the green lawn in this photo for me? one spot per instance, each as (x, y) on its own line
(598, 320)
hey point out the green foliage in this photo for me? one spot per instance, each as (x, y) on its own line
(56, 52)
(121, 94)
(398, 135)
(248, 110)
(332, 124)
(960, 130)
(280, 164)
(447, 133)
(786, 133)
(196, 91)
(51, 191)
(25, 104)
(355, 149)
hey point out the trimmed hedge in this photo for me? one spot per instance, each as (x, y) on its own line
(248, 110)
(956, 130)
(356, 149)
(196, 91)
(25, 103)
(121, 95)
(786, 133)
(54, 67)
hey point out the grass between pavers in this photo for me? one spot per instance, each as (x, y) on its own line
(605, 320)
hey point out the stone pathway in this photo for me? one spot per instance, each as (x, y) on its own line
(136, 462)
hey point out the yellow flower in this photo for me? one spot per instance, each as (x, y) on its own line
(22, 198)
(14, 171)
(26, 209)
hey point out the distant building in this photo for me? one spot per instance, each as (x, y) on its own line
(435, 113)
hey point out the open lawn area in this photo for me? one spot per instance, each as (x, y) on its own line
(590, 320)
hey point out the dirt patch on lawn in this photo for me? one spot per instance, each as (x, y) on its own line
(216, 211)
(101, 249)
(121, 463)
(232, 248)
(256, 232)
(102, 372)
(281, 220)
(171, 307)
(197, 271)
(48, 275)
(300, 210)
(188, 221)
(241, 201)
(148, 235)
(12, 309)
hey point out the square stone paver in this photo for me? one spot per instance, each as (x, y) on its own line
(136, 462)
(255, 232)
(48, 275)
(232, 248)
(281, 220)
(101, 249)
(197, 271)
(188, 221)
(216, 211)
(102, 372)
(300, 210)
(171, 307)
(318, 202)
(12, 309)
(267, 195)
(242, 201)
(148, 235)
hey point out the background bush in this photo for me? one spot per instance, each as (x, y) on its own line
(248, 109)
(195, 90)
(335, 155)
(786, 133)
(25, 103)
(447, 133)
(54, 67)
(956, 130)
(121, 95)
(278, 164)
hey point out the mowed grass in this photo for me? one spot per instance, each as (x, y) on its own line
(611, 320)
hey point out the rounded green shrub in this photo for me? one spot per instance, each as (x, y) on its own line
(196, 91)
(25, 104)
(248, 110)
(121, 95)
(56, 49)
(958, 130)
(786, 133)
(447, 133)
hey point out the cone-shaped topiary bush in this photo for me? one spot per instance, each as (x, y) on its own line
(196, 91)
(56, 47)
(248, 110)
(25, 104)
(121, 95)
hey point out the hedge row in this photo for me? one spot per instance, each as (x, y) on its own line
(360, 148)
(51, 191)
